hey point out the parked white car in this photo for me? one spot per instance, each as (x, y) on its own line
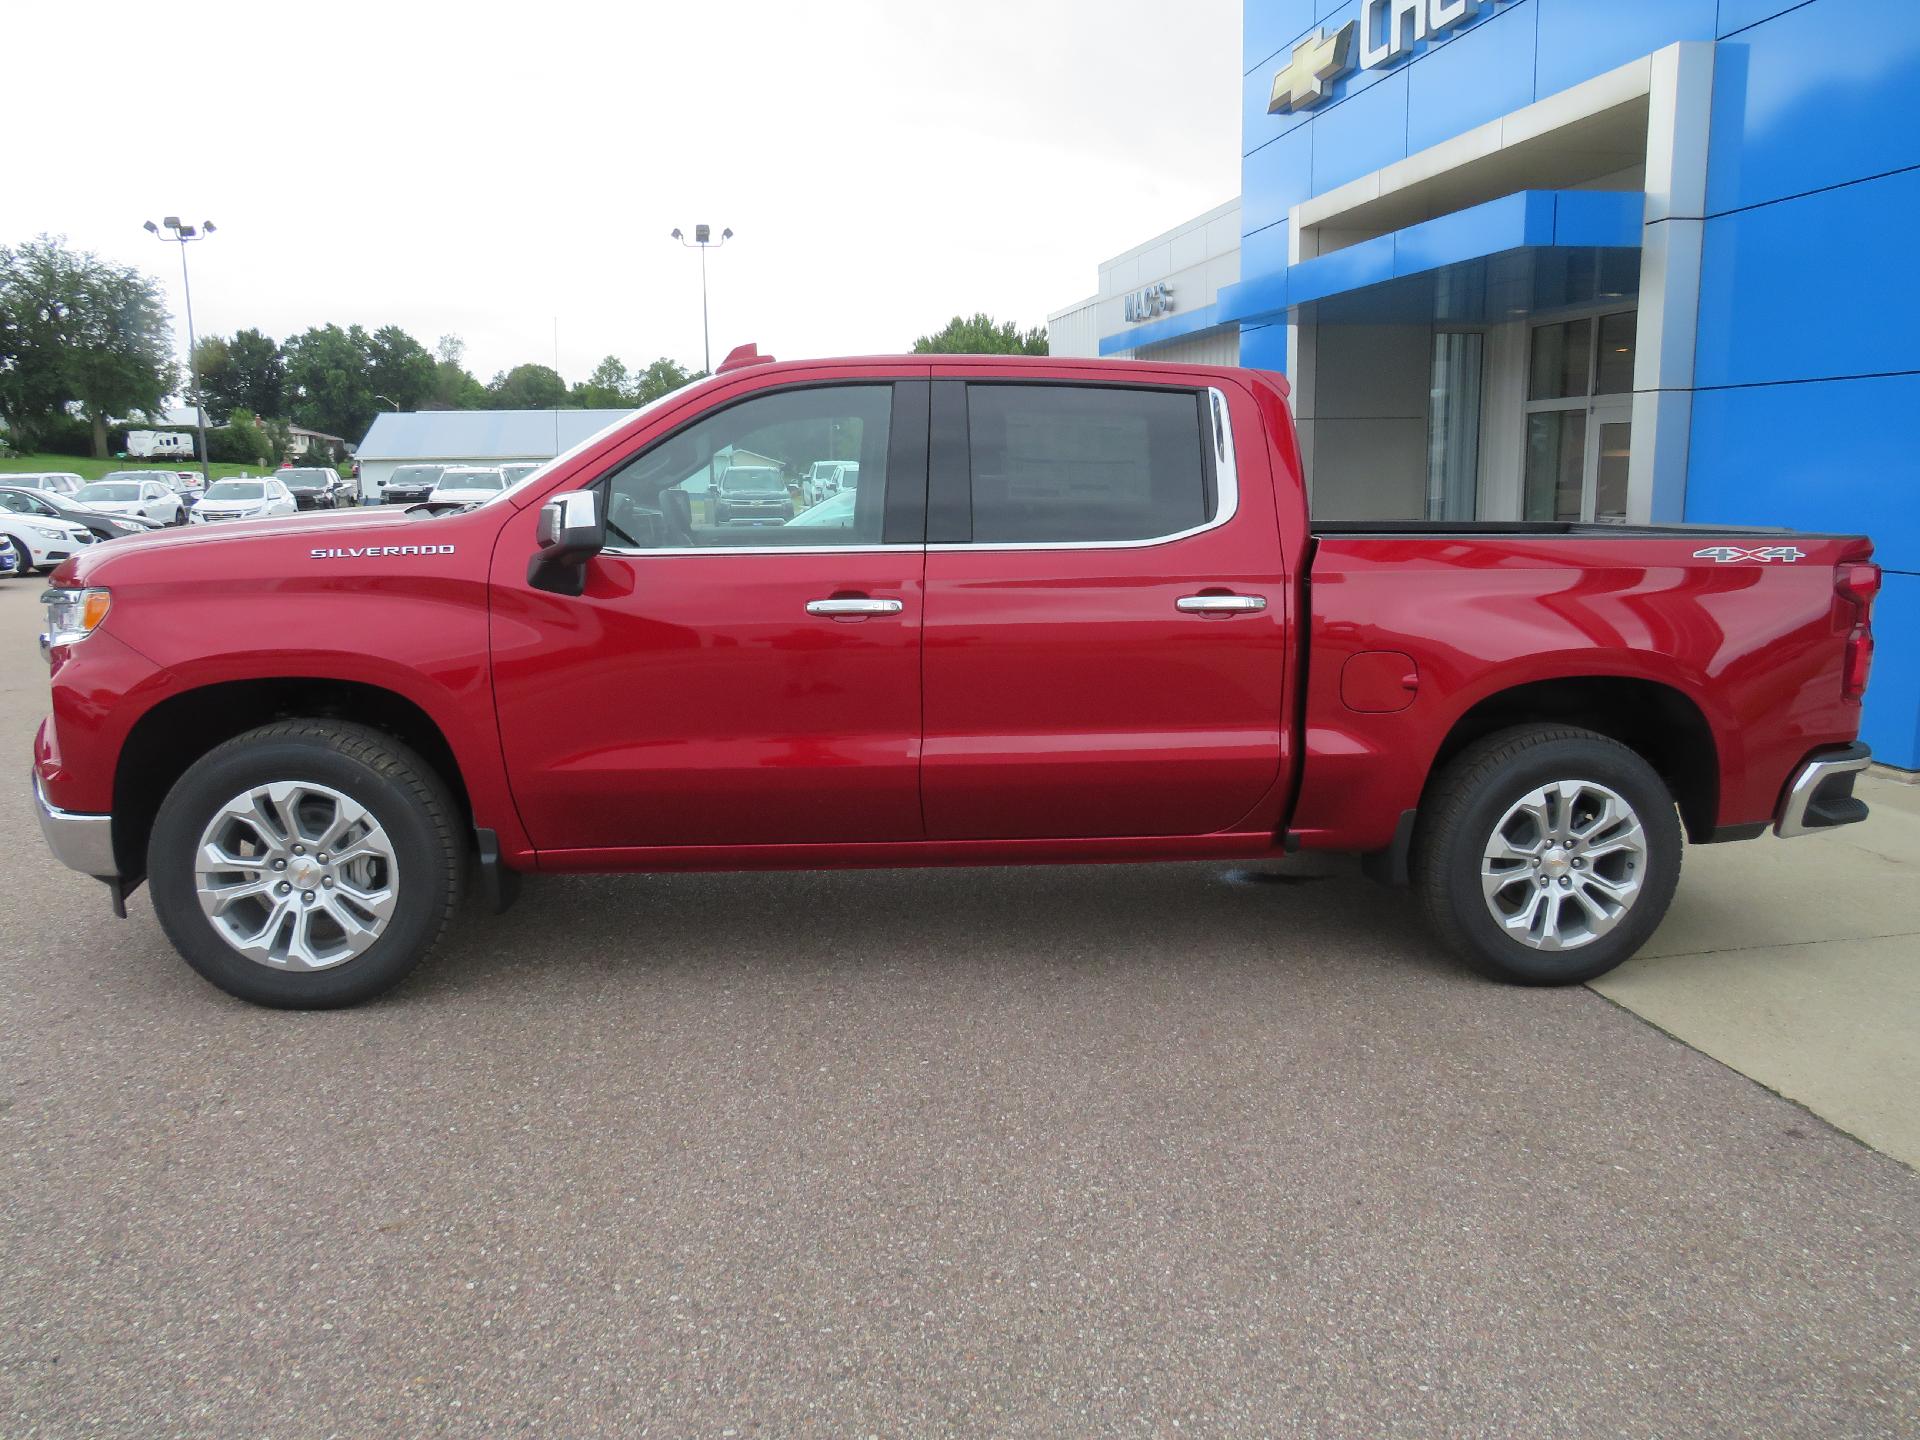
(133, 492)
(248, 499)
(41, 541)
(833, 513)
(55, 482)
(467, 485)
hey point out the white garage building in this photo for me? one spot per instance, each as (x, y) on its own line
(472, 437)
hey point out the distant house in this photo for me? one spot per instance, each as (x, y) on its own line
(473, 437)
(315, 445)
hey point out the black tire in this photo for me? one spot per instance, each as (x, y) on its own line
(399, 789)
(1457, 823)
(721, 515)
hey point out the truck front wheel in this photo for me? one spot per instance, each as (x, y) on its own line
(305, 864)
(1547, 854)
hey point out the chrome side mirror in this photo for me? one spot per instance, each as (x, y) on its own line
(570, 531)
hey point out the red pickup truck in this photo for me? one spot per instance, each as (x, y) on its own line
(1073, 611)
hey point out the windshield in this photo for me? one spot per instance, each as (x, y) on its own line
(105, 491)
(306, 479)
(134, 475)
(474, 480)
(665, 402)
(237, 490)
(750, 477)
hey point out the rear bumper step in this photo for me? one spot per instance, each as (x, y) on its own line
(1820, 795)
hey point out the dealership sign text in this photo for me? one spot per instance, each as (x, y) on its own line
(1386, 31)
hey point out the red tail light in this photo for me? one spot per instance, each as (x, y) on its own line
(1857, 584)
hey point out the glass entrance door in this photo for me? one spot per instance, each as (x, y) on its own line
(1609, 446)
(1579, 419)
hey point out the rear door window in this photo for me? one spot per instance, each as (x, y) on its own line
(1070, 464)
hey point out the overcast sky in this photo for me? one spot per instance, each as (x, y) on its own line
(487, 170)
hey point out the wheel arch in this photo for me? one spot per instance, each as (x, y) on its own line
(165, 741)
(1658, 721)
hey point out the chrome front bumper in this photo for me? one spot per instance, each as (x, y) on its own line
(80, 842)
(1820, 795)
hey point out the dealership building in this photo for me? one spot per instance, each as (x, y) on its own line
(1594, 260)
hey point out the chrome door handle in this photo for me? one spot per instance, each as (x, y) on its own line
(1220, 604)
(855, 607)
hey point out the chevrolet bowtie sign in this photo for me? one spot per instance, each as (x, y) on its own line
(1387, 31)
(1316, 61)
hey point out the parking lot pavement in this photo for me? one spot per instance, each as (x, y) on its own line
(1044, 1152)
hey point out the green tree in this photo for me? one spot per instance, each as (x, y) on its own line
(253, 377)
(279, 440)
(660, 377)
(981, 335)
(527, 387)
(609, 387)
(329, 380)
(400, 368)
(453, 387)
(75, 330)
(212, 361)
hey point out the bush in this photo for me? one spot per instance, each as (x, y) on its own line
(240, 441)
(65, 435)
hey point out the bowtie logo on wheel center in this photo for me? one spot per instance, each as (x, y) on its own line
(305, 872)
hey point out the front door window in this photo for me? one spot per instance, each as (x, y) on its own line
(1579, 425)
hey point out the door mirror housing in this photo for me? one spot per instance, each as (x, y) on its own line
(570, 531)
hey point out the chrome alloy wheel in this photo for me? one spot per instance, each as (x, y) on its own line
(296, 876)
(1564, 865)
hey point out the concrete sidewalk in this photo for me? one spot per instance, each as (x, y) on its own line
(1798, 963)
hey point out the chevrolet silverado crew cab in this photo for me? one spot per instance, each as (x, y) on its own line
(1078, 613)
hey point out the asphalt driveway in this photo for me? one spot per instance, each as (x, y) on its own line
(1139, 1150)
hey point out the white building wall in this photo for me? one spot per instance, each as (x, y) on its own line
(1072, 331)
(1195, 260)
(1220, 346)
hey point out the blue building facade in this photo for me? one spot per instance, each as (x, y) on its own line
(1596, 259)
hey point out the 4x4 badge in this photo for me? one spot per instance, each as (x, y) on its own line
(1727, 553)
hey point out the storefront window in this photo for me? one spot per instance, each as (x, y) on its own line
(1453, 426)
(1614, 374)
(1556, 462)
(1562, 360)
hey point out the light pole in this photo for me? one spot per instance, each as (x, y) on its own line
(181, 235)
(703, 241)
(391, 401)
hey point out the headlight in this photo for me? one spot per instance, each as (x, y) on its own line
(72, 615)
(47, 532)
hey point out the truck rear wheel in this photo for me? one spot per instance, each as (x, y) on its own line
(1547, 854)
(305, 864)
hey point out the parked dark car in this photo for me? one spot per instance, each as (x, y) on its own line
(752, 495)
(314, 487)
(50, 506)
(410, 484)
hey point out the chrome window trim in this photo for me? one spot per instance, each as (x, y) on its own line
(1226, 481)
(710, 550)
